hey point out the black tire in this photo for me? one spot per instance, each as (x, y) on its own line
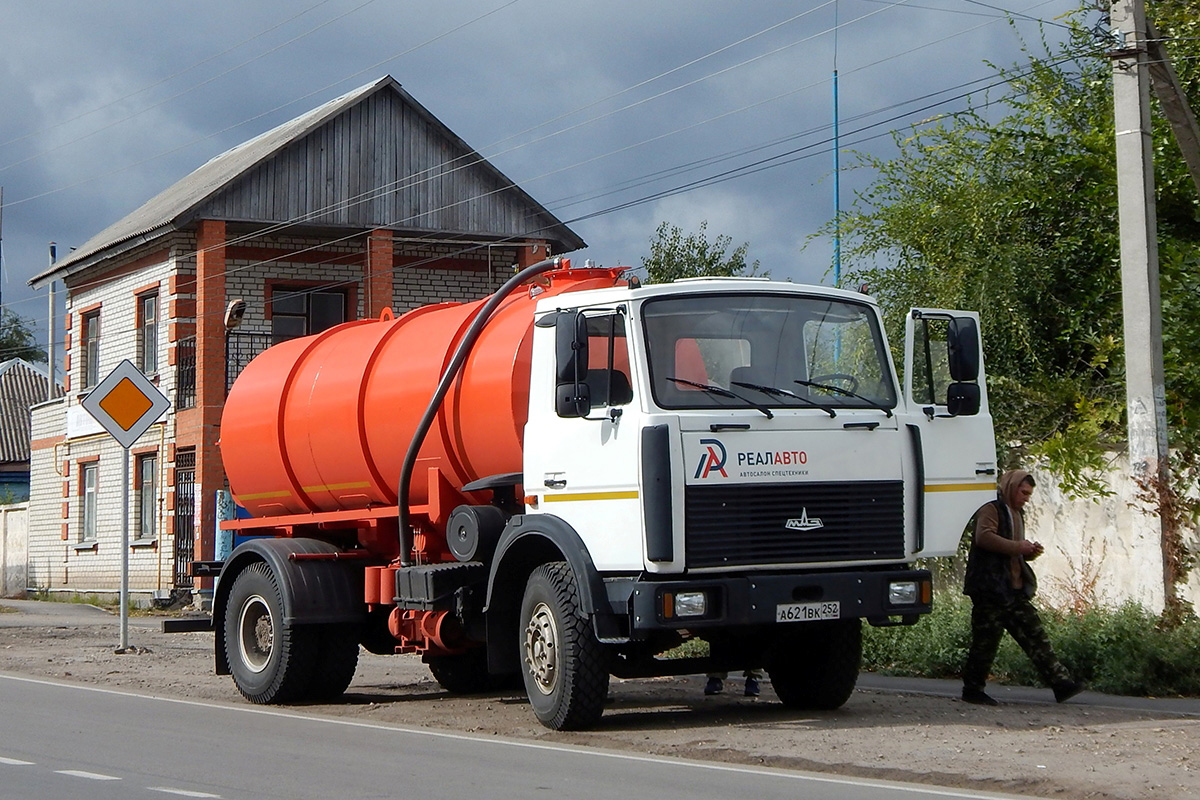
(337, 661)
(464, 673)
(565, 668)
(816, 666)
(271, 662)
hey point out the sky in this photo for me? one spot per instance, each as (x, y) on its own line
(616, 115)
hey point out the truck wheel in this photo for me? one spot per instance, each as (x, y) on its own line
(816, 666)
(337, 661)
(565, 668)
(464, 673)
(271, 662)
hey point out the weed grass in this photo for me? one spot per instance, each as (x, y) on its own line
(1126, 650)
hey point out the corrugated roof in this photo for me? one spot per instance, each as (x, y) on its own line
(21, 386)
(170, 209)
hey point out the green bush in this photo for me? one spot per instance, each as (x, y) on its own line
(1126, 651)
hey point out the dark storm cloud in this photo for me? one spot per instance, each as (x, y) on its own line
(102, 105)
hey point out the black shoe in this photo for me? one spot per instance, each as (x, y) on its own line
(752, 689)
(978, 697)
(1066, 690)
(714, 686)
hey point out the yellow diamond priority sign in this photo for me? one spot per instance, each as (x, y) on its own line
(126, 403)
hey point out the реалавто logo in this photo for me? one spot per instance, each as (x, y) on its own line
(713, 459)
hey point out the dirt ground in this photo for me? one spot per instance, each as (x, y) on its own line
(1083, 749)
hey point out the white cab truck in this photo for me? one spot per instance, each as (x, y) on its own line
(730, 460)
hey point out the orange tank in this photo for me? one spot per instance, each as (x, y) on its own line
(322, 423)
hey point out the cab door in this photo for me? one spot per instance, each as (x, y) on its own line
(949, 425)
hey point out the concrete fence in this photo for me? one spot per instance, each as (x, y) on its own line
(1106, 551)
(14, 549)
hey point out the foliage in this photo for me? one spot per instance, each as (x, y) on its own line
(1126, 651)
(17, 339)
(1017, 217)
(674, 255)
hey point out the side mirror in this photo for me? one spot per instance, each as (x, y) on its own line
(572, 397)
(963, 399)
(962, 343)
(573, 400)
(571, 347)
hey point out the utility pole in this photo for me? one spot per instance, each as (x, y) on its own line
(1145, 396)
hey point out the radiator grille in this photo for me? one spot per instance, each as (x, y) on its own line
(748, 524)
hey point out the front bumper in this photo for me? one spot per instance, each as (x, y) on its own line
(747, 600)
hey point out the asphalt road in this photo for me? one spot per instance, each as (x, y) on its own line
(69, 741)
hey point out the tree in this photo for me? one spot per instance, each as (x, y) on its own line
(673, 256)
(1018, 218)
(17, 339)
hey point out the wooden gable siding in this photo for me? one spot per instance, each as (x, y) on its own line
(333, 177)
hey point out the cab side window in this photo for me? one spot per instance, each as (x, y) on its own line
(608, 373)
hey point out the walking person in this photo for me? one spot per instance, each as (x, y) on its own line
(1001, 586)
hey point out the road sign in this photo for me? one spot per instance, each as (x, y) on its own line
(126, 403)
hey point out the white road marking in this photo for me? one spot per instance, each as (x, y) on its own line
(15, 762)
(91, 776)
(180, 792)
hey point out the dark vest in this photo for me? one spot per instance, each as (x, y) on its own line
(987, 577)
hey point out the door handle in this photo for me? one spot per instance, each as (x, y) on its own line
(555, 483)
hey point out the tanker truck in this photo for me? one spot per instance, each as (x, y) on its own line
(572, 477)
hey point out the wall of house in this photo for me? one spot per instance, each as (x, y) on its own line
(14, 549)
(66, 438)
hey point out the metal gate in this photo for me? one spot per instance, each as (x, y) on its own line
(185, 517)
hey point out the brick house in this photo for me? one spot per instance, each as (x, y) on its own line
(365, 203)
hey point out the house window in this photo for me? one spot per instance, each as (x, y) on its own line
(148, 333)
(88, 478)
(91, 349)
(147, 483)
(296, 311)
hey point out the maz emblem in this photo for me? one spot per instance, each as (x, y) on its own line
(804, 522)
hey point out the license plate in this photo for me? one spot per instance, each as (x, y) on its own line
(807, 612)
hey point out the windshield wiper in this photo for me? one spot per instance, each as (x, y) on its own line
(839, 390)
(723, 392)
(777, 392)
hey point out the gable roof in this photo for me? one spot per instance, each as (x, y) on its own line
(21, 385)
(372, 158)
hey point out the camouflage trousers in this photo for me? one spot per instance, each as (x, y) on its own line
(989, 621)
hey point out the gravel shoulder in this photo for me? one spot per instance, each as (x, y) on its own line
(1092, 747)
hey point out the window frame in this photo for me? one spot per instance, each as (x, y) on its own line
(147, 337)
(307, 291)
(89, 347)
(89, 501)
(147, 495)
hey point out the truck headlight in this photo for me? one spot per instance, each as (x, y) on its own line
(685, 604)
(902, 593)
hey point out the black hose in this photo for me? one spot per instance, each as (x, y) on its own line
(439, 394)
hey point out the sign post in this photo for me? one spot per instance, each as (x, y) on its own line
(126, 403)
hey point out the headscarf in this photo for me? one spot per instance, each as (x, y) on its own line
(1010, 482)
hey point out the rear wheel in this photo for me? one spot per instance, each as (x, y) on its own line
(816, 665)
(564, 667)
(271, 662)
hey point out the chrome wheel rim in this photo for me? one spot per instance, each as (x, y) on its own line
(541, 648)
(256, 633)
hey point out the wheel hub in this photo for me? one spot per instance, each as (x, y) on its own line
(541, 648)
(256, 633)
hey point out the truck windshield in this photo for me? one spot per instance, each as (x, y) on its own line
(781, 351)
